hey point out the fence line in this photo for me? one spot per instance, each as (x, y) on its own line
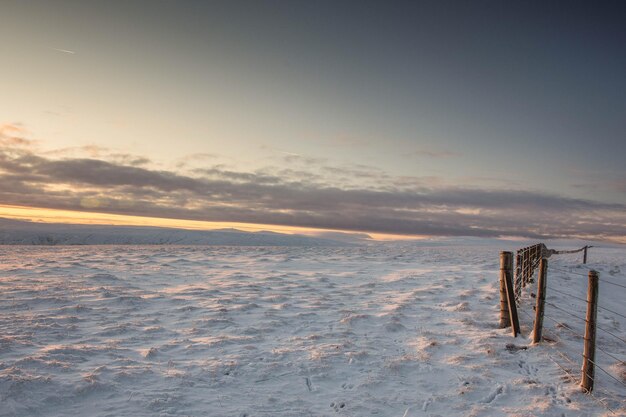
(564, 326)
(606, 372)
(585, 301)
(612, 334)
(527, 261)
(569, 295)
(613, 283)
(597, 327)
(584, 275)
(568, 373)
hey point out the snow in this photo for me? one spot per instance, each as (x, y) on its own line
(380, 330)
(16, 232)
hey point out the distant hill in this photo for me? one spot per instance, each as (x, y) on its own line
(15, 232)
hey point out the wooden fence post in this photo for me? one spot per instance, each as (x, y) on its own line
(585, 255)
(524, 266)
(541, 299)
(504, 304)
(532, 263)
(529, 266)
(506, 262)
(518, 271)
(589, 350)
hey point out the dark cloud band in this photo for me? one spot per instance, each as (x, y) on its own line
(274, 196)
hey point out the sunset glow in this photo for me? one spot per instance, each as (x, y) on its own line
(42, 215)
(312, 207)
(420, 120)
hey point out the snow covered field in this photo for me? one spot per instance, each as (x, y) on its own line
(384, 330)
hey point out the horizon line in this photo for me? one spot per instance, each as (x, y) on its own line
(85, 217)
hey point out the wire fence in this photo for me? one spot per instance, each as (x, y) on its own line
(567, 314)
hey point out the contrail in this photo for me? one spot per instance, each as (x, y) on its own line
(290, 153)
(65, 51)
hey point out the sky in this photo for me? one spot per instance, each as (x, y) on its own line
(392, 118)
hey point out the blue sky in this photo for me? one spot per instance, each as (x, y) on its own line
(469, 116)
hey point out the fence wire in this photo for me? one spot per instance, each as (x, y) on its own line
(576, 380)
(572, 378)
(585, 275)
(527, 261)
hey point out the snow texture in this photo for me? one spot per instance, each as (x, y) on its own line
(15, 232)
(383, 330)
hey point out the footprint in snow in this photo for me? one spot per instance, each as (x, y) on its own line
(337, 406)
(492, 395)
(528, 369)
(557, 398)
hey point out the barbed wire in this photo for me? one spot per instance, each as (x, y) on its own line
(593, 362)
(606, 372)
(567, 358)
(585, 320)
(526, 270)
(563, 325)
(567, 252)
(566, 271)
(607, 332)
(527, 314)
(575, 380)
(569, 295)
(574, 364)
(565, 311)
(612, 283)
(609, 354)
(559, 276)
(587, 302)
(611, 311)
(568, 373)
(585, 275)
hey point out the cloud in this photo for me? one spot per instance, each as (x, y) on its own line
(324, 197)
(12, 136)
(293, 158)
(91, 150)
(438, 154)
(194, 158)
(99, 152)
(606, 183)
(65, 51)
